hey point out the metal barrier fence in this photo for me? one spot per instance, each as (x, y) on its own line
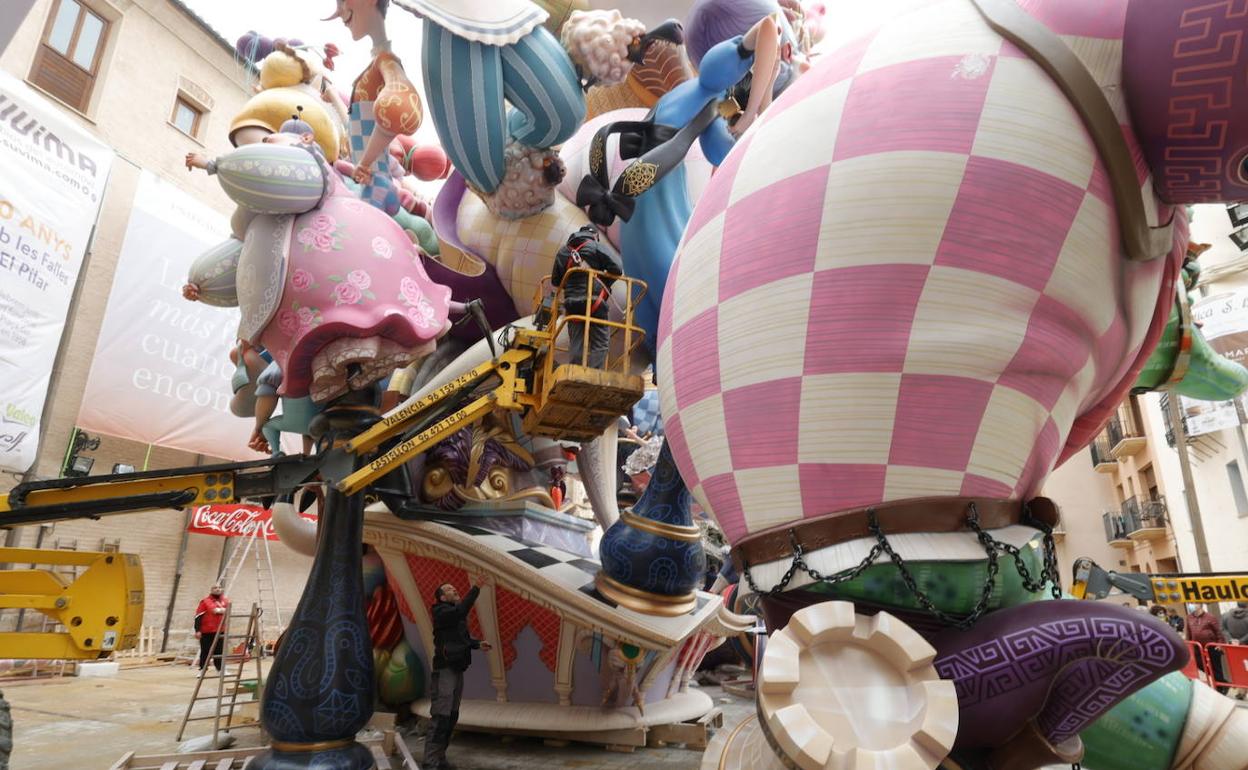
(1234, 659)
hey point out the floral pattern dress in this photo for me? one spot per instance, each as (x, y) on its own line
(355, 303)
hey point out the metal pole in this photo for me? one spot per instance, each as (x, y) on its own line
(177, 570)
(1189, 488)
(177, 579)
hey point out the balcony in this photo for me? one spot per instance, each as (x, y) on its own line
(1116, 529)
(1136, 522)
(1125, 437)
(1152, 522)
(1102, 460)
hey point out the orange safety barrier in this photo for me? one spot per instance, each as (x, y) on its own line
(1195, 661)
(1235, 665)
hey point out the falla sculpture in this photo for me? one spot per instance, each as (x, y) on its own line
(892, 283)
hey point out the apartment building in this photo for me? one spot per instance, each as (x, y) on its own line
(1132, 472)
(1114, 501)
(153, 82)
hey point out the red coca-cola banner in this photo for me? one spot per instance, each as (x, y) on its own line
(235, 521)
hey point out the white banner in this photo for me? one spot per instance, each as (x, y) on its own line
(161, 372)
(52, 180)
(1223, 320)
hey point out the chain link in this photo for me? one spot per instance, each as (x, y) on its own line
(993, 548)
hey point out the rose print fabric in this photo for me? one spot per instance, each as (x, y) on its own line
(356, 304)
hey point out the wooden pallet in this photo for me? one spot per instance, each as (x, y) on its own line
(391, 753)
(692, 735)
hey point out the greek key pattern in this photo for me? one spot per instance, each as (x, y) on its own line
(1091, 663)
(1201, 110)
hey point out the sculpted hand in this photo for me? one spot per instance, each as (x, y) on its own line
(190, 291)
(259, 443)
(363, 173)
(196, 160)
(486, 646)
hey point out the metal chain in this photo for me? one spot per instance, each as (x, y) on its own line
(993, 548)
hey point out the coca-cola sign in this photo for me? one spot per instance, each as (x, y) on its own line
(235, 521)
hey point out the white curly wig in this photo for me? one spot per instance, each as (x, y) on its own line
(598, 43)
(524, 191)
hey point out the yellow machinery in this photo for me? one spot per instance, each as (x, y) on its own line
(103, 608)
(1093, 582)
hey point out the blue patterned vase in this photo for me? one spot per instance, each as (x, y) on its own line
(319, 692)
(652, 558)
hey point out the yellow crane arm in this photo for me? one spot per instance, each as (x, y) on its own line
(95, 496)
(1093, 582)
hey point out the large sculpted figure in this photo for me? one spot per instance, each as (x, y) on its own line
(330, 286)
(974, 226)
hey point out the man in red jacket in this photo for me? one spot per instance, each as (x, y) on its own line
(209, 617)
(1204, 628)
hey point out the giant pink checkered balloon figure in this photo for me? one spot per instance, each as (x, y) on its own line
(911, 279)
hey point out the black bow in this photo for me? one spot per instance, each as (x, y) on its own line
(602, 203)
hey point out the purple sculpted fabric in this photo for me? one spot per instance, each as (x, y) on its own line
(1061, 663)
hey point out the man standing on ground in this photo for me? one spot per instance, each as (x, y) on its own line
(209, 617)
(1203, 628)
(453, 646)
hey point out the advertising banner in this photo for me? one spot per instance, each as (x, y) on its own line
(161, 371)
(235, 521)
(1223, 320)
(52, 179)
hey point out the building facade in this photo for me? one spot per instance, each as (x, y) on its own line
(154, 82)
(1132, 472)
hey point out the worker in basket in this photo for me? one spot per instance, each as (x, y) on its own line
(585, 250)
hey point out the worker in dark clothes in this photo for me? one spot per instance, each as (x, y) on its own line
(583, 249)
(452, 654)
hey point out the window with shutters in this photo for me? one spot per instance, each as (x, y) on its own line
(68, 58)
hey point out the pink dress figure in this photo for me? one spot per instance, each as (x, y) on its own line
(329, 285)
(357, 303)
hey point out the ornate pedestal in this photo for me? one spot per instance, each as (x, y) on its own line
(652, 558)
(319, 692)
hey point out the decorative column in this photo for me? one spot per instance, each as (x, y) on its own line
(652, 558)
(319, 692)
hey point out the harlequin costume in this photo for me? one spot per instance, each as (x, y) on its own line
(476, 55)
(384, 98)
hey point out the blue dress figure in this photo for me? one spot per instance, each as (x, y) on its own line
(652, 558)
(652, 195)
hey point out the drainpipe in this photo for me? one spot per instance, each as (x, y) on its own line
(177, 570)
(177, 579)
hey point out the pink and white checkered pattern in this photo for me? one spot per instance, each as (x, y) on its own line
(906, 279)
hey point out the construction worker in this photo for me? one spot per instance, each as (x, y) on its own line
(583, 249)
(452, 655)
